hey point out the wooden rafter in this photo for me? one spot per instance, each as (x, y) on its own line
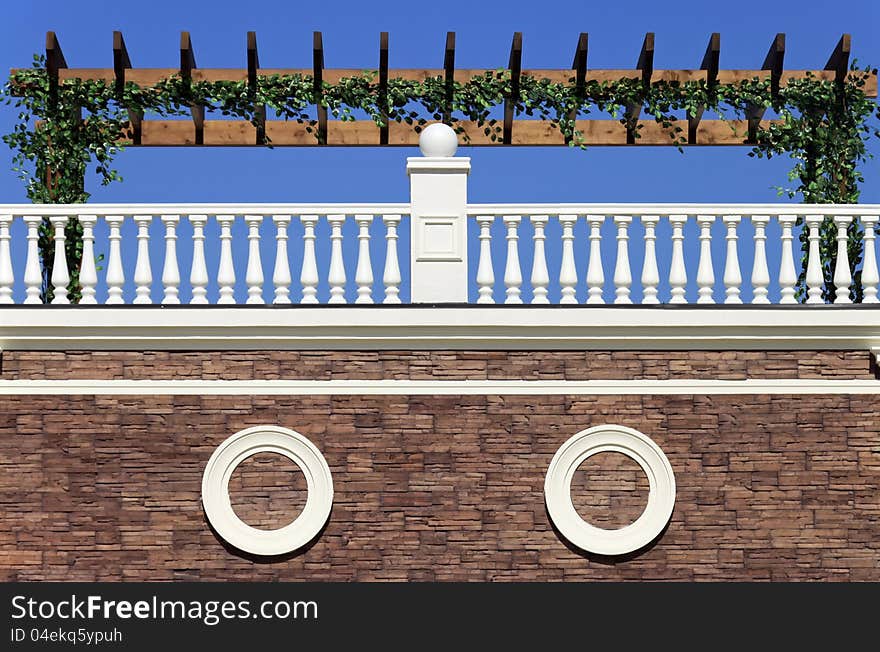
(383, 84)
(515, 131)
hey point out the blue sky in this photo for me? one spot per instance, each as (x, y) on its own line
(417, 34)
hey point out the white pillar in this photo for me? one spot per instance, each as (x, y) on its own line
(309, 273)
(732, 275)
(170, 269)
(650, 273)
(6, 276)
(198, 276)
(363, 275)
(760, 272)
(88, 273)
(143, 275)
(787, 273)
(391, 274)
(622, 272)
(870, 276)
(677, 270)
(842, 274)
(438, 198)
(567, 270)
(512, 272)
(226, 270)
(595, 274)
(815, 279)
(60, 274)
(281, 273)
(485, 274)
(33, 275)
(115, 273)
(540, 275)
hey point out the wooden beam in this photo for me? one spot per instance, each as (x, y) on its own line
(710, 64)
(449, 74)
(318, 75)
(774, 63)
(383, 85)
(839, 59)
(253, 62)
(579, 65)
(54, 56)
(645, 65)
(514, 65)
(187, 65)
(121, 63)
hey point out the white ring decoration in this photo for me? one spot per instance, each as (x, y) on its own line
(267, 439)
(616, 439)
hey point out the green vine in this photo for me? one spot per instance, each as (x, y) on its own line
(64, 128)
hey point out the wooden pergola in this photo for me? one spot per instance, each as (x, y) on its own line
(202, 132)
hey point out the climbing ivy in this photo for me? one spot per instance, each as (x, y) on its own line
(63, 128)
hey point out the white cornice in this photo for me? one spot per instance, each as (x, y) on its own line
(690, 386)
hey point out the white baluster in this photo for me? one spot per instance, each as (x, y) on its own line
(336, 276)
(650, 273)
(363, 276)
(787, 273)
(60, 274)
(115, 273)
(595, 274)
(198, 276)
(705, 271)
(170, 270)
(391, 276)
(6, 276)
(622, 272)
(485, 273)
(842, 274)
(254, 274)
(870, 275)
(143, 274)
(677, 270)
(760, 271)
(732, 275)
(88, 274)
(568, 271)
(540, 275)
(33, 275)
(226, 270)
(309, 273)
(281, 273)
(512, 272)
(815, 280)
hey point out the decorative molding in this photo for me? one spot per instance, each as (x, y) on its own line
(675, 387)
(267, 439)
(143, 328)
(613, 439)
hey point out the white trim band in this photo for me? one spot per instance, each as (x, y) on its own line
(691, 386)
(610, 439)
(267, 439)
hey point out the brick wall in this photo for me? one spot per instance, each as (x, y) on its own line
(439, 487)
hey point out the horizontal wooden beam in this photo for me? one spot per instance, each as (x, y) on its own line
(241, 133)
(151, 76)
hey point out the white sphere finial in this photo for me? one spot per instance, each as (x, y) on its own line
(438, 139)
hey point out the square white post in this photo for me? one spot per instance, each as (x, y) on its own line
(438, 226)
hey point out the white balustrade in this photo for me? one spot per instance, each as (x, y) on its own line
(540, 275)
(254, 274)
(309, 273)
(198, 277)
(143, 275)
(650, 271)
(226, 271)
(512, 271)
(760, 271)
(115, 273)
(842, 274)
(363, 276)
(732, 276)
(33, 276)
(568, 272)
(391, 276)
(622, 272)
(485, 275)
(88, 272)
(281, 273)
(7, 278)
(170, 270)
(677, 270)
(787, 274)
(336, 276)
(595, 273)
(60, 274)
(870, 275)
(815, 280)
(705, 270)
